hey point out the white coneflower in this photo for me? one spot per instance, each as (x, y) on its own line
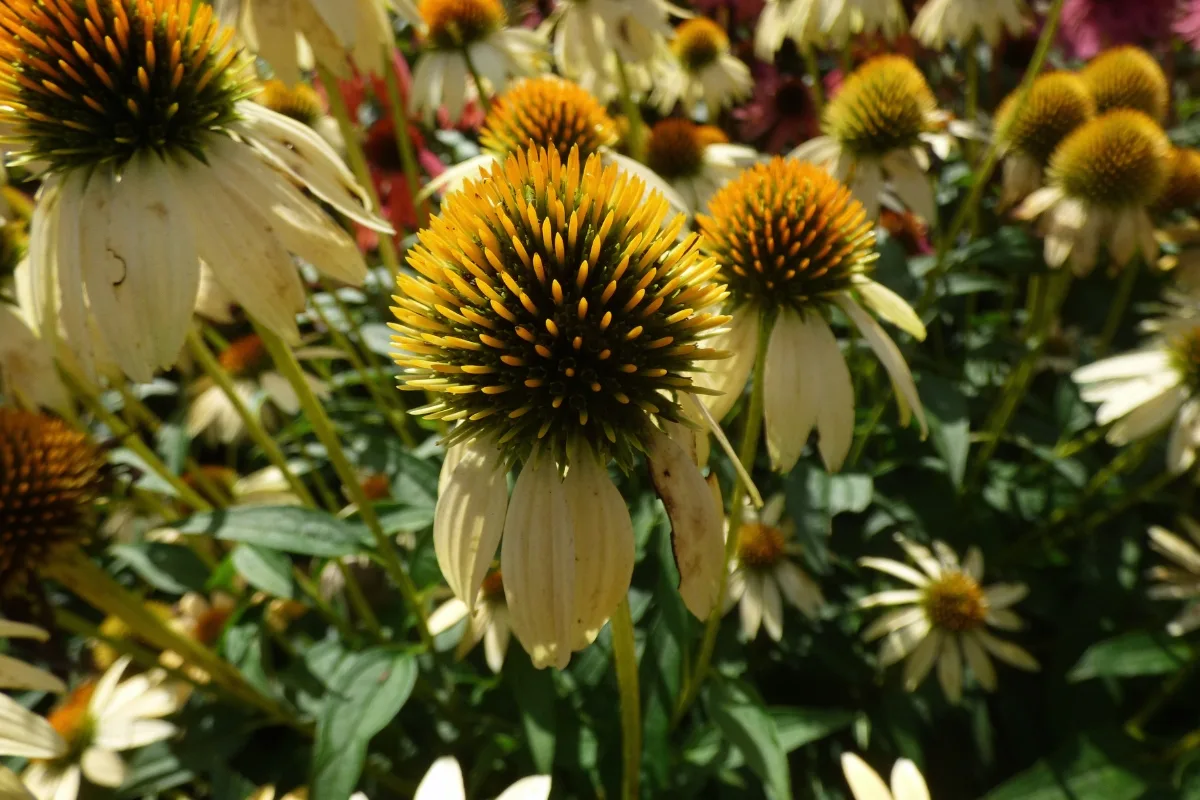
(555, 316)
(487, 622)
(27, 371)
(695, 160)
(290, 34)
(798, 20)
(764, 573)
(865, 783)
(1128, 77)
(465, 36)
(16, 674)
(154, 162)
(944, 619)
(24, 734)
(703, 70)
(1144, 391)
(95, 722)
(875, 129)
(594, 39)
(1102, 180)
(1180, 581)
(957, 21)
(444, 781)
(302, 103)
(842, 19)
(794, 244)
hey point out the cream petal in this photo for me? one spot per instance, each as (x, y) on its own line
(865, 783)
(922, 660)
(48, 782)
(475, 168)
(696, 523)
(447, 615)
(902, 641)
(1123, 241)
(535, 787)
(891, 306)
(1138, 364)
(1038, 203)
(127, 733)
(495, 643)
(11, 787)
(1184, 438)
(1008, 652)
(443, 781)
(892, 621)
(1004, 619)
(895, 569)
(25, 734)
(1003, 595)
(893, 597)
(750, 607)
(470, 518)
(729, 376)
(835, 408)
(981, 664)
(280, 391)
(791, 402)
(911, 184)
(21, 630)
(949, 669)
(16, 674)
(65, 229)
(907, 782)
(921, 555)
(799, 589)
(973, 565)
(1173, 547)
(1147, 417)
(103, 767)
(893, 361)
(772, 608)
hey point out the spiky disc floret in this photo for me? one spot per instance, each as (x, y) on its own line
(786, 233)
(1118, 160)
(1183, 181)
(547, 112)
(84, 83)
(451, 24)
(698, 43)
(1128, 77)
(884, 105)
(1058, 103)
(300, 102)
(675, 147)
(49, 477)
(552, 303)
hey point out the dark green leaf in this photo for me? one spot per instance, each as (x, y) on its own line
(267, 570)
(1131, 654)
(748, 725)
(797, 727)
(536, 700)
(292, 529)
(167, 567)
(1082, 769)
(949, 423)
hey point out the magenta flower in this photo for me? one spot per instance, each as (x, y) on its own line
(1187, 24)
(741, 12)
(1089, 26)
(781, 113)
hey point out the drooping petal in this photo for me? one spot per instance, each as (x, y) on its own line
(980, 663)
(922, 660)
(729, 376)
(865, 783)
(791, 401)
(1008, 652)
(897, 369)
(469, 518)
(443, 781)
(949, 669)
(907, 782)
(891, 306)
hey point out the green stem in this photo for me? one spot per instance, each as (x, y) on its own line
(814, 72)
(484, 101)
(323, 427)
(747, 453)
(1117, 309)
(625, 659)
(635, 136)
(408, 158)
(357, 159)
(358, 600)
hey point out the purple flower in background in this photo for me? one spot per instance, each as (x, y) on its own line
(741, 12)
(1187, 24)
(781, 111)
(1089, 26)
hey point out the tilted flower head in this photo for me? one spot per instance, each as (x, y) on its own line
(695, 160)
(873, 132)
(703, 70)
(556, 315)
(1057, 104)
(944, 618)
(279, 31)
(50, 475)
(16, 674)
(1146, 390)
(1181, 580)
(1182, 191)
(593, 39)
(444, 781)
(865, 783)
(793, 243)
(487, 622)
(942, 21)
(461, 35)
(1128, 77)
(302, 103)
(798, 20)
(1102, 179)
(155, 161)
(842, 19)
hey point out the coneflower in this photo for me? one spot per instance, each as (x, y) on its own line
(1128, 77)
(704, 70)
(1182, 191)
(942, 21)
(695, 160)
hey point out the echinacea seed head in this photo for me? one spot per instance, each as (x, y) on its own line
(546, 112)
(452, 24)
(1184, 349)
(884, 105)
(90, 83)
(675, 147)
(300, 102)
(1058, 103)
(1117, 160)
(1183, 182)
(1128, 77)
(955, 603)
(760, 546)
(555, 303)
(787, 234)
(50, 475)
(698, 43)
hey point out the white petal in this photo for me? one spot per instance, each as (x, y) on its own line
(891, 306)
(25, 734)
(865, 783)
(1175, 548)
(1008, 652)
(896, 569)
(15, 674)
(447, 615)
(729, 375)
(892, 621)
(907, 783)
(1138, 364)
(443, 781)
(922, 660)
(981, 664)
(495, 643)
(799, 589)
(791, 401)
(902, 641)
(535, 787)
(469, 519)
(21, 630)
(750, 607)
(835, 408)
(126, 733)
(103, 767)
(893, 361)
(893, 597)
(1145, 418)
(950, 670)
(772, 603)
(11, 787)
(1003, 595)
(1183, 440)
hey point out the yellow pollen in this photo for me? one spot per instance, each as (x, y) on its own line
(1058, 103)
(955, 603)
(760, 546)
(1183, 184)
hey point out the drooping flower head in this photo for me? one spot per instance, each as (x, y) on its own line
(1128, 77)
(49, 477)
(1183, 180)
(547, 112)
(942, 21)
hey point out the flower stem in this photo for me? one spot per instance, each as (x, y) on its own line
(357, 159)
(1117, 309)
(814, 72)
(404, 144)
(635, 136)
(484, 101)
(747, 452)
(323, 427)
(625, 660)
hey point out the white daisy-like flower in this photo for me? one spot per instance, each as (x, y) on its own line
(764, 573)
(956, 21)
(842, 19)
(865, 783)
(943, 620)
(1143, 392)
(27, 371)
(486, 622)
(798, 20)
(81, 738)
(694, 160)
(1181, 580)
(16, 674)
(444, 781)
(146, 178)
(590, 38)
(465, 35)
(704, 70)
(291, 34)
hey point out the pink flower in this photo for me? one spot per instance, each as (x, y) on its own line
(781, 112)
(740, 12)
(1089, 26)
(1187, 24)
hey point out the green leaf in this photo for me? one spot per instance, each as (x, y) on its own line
(949, 423)
(292, 529)
(1131, 654)
(167, 567)
(536, 700)
(1087, 767)
(366, 691)
(745, 721)
(267, 570)
(797, 727)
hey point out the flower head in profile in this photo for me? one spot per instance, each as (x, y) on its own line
(1102, 180)
(465, 35)
(156, 161)
(444, 781)
(865, 783)
(487, 622)
(1088, 26)
(703, 70)
(336, 34)
(943, 619)
(841, 20)
(1057, 104)
(695, 160)
(1158, 386)
(16, 674)
(793, 245)
(1128, 77)
(50, 475)
(956, 21)
(556, 316)
(764, 573)
(1179, 580)
(1182, 191)
(874, 130)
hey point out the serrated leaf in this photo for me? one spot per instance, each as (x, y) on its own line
(267, 570)
(167, 567)
(745, 721)
(292, 529)
(1129, 655)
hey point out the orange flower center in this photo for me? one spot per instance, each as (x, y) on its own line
(70, 717)
(955, 603)
(455, 23)
(209, 625)
(243, 355)
(698, 43)
(676, 147)
(492, 587)
(759, 545)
